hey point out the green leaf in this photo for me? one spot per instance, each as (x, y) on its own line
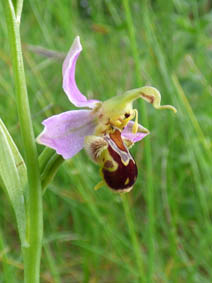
(13, 178)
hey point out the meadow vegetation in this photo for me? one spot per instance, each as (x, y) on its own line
(161, 231)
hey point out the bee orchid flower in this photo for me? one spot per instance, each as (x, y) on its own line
(104, 129)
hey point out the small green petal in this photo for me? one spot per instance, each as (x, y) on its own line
(118, 106)
(149, 94)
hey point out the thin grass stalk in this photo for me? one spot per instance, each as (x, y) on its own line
(192, 126)
(52, 264)
(7, 271)
(191, 115)
(148, 153)
(134, 239)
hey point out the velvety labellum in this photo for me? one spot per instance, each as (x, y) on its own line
(124, 176)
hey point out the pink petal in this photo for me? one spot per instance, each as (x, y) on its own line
(69, 84)
(127, 133)
(65, 132)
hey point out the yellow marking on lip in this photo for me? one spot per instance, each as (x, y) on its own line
(127, 181)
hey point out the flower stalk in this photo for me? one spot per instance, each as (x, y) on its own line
(34, 212)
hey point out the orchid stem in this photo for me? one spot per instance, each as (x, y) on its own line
(19, 7)
(34, 211)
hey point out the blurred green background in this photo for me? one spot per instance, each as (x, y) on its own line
(161, 231)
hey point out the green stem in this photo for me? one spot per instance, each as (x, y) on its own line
(50, 170)
(148, 152)
(134, 239)
(44, 158)
(132, 37)
(49, 163)
(34, 196)
(18, 10)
